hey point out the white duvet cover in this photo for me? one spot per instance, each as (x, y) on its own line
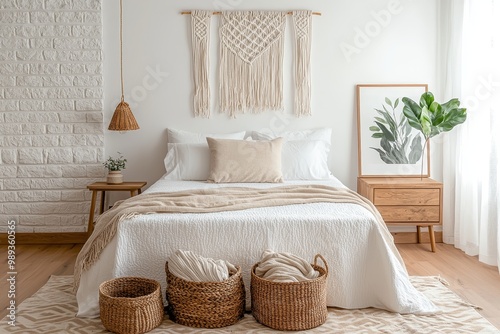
(364, 271)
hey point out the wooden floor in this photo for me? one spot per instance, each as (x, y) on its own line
(475, 282)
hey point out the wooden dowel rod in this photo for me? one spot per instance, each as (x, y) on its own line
(218, 13)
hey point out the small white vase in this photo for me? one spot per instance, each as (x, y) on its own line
(114, 177)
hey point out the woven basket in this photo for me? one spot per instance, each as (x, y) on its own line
(290, 306)
(205, 304)
(130, 305)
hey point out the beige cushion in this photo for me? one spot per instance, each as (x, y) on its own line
(245, 160)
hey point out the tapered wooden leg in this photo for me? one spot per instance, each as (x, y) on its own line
(419, 236)
(103, 198)
(90, 226)
(433, 239)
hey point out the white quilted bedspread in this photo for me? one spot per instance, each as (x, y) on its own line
(364, 271)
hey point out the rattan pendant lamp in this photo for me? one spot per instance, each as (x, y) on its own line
(123, 119)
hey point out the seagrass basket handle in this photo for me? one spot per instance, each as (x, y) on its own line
(322, 259)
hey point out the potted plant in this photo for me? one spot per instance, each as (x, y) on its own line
(432, 118)
(115, 167)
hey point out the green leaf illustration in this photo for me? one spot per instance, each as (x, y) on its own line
(395, 134)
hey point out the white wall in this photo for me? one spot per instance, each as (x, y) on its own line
(402, 49)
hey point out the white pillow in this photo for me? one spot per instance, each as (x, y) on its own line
(185, 161)
(323, 134)
(303, 157)
(181, 136)
(305, 160)
(191, 162)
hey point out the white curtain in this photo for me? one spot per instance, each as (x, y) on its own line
(472, 163)
(450, 82)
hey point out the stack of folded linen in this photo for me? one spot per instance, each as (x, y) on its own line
(195, 268)
(284, 267)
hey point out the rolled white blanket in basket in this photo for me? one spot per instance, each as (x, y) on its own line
(195, 268)
(284, 267)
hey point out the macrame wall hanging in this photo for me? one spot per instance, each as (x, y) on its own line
(302, 27)
(200, 40)
(251, 61)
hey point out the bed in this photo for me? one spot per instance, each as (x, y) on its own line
(366, 269)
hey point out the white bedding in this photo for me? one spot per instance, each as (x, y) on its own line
(364, 271)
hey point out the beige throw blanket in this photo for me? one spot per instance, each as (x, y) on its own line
(212, 200)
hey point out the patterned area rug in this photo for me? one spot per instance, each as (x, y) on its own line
(52, 310)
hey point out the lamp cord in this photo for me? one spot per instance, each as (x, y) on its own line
(121, 46)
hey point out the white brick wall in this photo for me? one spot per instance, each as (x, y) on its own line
(51, 124)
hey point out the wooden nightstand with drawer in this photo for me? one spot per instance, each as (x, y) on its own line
(406, 201)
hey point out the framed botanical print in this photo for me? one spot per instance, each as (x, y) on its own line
(387, 144)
